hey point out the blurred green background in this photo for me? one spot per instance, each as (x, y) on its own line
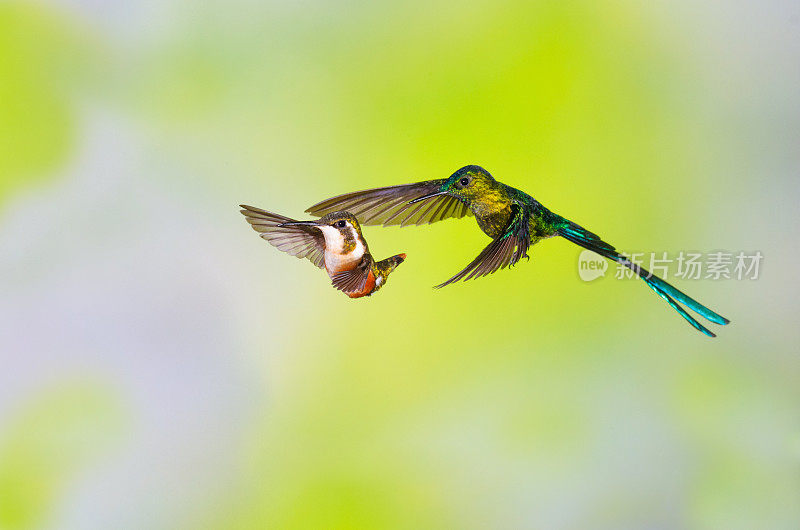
(165, 368)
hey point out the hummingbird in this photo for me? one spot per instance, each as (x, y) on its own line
(333, 242)
(512, 218)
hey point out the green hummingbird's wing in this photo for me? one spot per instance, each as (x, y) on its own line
(506, 249)
(355, 279)
(300, 241)
(390, 205)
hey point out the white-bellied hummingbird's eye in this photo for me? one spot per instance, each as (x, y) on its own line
(340, 224)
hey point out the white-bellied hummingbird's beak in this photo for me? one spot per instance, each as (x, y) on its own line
(300, 223)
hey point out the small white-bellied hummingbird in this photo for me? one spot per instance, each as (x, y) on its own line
(333, 242)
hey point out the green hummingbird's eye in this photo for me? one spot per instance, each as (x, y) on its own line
(463, 182)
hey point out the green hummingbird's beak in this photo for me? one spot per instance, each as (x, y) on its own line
(428, 196)
(300, 223)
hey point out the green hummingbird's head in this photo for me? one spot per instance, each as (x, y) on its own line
(467, 184)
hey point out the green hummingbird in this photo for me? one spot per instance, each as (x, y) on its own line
(333, 243)
(512, 218)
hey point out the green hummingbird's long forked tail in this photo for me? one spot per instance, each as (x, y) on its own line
(580, 236)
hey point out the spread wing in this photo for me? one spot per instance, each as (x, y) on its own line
(300, 241)
(389, 205)
(355, 279)
(507, 249)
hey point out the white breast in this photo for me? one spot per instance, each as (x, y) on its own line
(334, 244)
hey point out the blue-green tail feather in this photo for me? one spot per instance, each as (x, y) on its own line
(580, 236)
(681, 311)
(660, 285)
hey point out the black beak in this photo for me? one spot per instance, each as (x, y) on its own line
(428, 196)
(300, 223)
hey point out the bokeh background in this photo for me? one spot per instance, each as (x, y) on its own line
(162, 367)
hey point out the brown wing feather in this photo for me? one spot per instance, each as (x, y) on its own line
(355, 279)
(300, 241)
(390, 205)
